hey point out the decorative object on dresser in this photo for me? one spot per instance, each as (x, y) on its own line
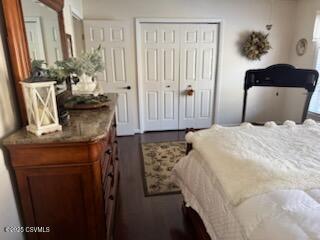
(84, 68)
(41, 105)
(68, 180)
(87, 102)
(80, 71)
(40, 71)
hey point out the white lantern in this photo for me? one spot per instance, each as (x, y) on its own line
(41, 107)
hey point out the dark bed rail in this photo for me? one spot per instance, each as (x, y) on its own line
(189, 145)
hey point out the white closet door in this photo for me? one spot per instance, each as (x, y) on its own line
(118, 76)
(160, 64)
(198, 56)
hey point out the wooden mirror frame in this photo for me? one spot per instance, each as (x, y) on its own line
(18, 43)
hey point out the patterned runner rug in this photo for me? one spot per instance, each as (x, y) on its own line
(158, 161)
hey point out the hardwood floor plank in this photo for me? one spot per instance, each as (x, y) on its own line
(146, 218)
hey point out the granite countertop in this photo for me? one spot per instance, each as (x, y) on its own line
(84, 126)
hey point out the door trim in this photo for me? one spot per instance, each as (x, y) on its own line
(139, 21)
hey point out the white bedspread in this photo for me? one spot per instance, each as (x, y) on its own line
(250, 160)
(277, 215)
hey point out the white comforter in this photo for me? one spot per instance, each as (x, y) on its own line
(250, 160)
(278, 215)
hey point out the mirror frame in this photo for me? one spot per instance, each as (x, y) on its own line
(18, 45)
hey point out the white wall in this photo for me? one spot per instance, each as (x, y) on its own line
(303, 28)
(8, 123)
(239, 16)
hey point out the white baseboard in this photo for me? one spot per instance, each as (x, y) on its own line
(137, 130)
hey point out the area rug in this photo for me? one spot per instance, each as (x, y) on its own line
(158, 162)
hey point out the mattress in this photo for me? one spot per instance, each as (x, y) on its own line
(251, 160)
(278, 215)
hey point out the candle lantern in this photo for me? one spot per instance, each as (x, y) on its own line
(41, 106)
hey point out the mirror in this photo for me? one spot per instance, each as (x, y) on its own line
(42, 30)
(18, 45)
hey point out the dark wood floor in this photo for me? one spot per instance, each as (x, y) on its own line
(146, 218)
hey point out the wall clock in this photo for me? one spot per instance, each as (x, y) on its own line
(301, 47)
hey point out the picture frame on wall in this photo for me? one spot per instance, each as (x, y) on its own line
(69, 45)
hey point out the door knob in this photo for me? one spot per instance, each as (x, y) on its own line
(189, 91)
(127, 87)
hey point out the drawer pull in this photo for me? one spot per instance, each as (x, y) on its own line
(110, 175)
(109, 151)
(111, 197)
(115, 142)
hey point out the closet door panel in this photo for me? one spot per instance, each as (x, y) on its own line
(152, 105)
(160, 64)
(176, 58)
(198, 56)
(151, 65)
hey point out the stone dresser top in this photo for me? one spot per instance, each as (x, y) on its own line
(84, 126)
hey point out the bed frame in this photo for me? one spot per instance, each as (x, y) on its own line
(280, 75)
(200, 230)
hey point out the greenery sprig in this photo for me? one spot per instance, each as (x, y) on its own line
(88, 63)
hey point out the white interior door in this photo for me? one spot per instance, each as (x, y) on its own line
(160, 60)
(34, 35)
(118, 76)
(52, 41)
(198, 57)
(176, 57)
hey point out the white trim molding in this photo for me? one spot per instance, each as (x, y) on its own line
(138, 23)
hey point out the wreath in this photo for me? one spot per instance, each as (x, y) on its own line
(256, 45)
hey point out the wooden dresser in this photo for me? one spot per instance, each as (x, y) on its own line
(68, 180)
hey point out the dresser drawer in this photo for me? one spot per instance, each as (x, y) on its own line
(115, 151)
(108, 183)
(106, 162)
(111, 201)
(113, 132)
(75, 169)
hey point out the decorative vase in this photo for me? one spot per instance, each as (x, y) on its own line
(86, 85)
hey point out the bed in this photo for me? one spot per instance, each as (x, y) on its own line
(281, 202)
(255, 182)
